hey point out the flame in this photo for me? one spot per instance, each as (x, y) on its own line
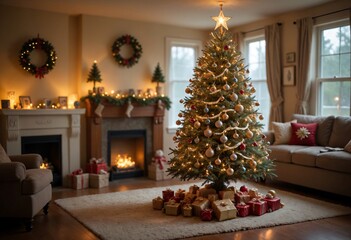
(124, 161)
(44, 166)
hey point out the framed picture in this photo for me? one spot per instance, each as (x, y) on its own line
(25, 101)
(289, 76)
(290, 57)
(62, 100)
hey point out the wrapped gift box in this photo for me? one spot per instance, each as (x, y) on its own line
(199, 204)
(172, 208)
(157, 203)
(96, 167)
(98, 180)
(193, 189)
(226, 194)
(167, 194)
(212, 197)
(243, 209)
(180, 193)
(273, 204)
(189, 197)
(187, 210)
(79, 181)
(241, 197)
(253, 192)
(206, 214)
(205, 191)
(258, 207)
(224, 209)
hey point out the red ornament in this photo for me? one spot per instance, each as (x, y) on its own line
(193, 107)
(242, 146)
(255, 144)
(192, 120)
(226, 47)
(242, 92)
(243, 188)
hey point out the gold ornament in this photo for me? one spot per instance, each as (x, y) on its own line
(239, 108)
(197, 124)
(218, 161)
(208, 132)
(209, 152)
(178, 122)
(225, 116)
(233, 97)
(230, 171)
(249, 134)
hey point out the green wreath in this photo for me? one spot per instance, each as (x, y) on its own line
(116, 47)
(40, 44)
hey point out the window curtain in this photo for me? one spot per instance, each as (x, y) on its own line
(274, 72)
(303, 83)
(238, 38)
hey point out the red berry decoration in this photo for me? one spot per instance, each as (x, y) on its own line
(242, 147)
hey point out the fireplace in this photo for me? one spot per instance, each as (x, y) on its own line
(49, 147)
(146, 120)
(17, 126)
(126, 153)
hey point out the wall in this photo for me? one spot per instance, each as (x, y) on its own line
(289, 42)
(78, 41)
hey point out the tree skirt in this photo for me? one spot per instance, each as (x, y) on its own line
(129, 214)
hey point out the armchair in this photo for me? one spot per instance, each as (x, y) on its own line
(25, 188)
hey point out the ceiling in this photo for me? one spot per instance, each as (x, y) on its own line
(185, 13)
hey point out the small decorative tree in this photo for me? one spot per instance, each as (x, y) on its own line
(94, 75)
(158, 78)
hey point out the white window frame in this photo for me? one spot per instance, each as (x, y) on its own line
(317, 64)
(253, 38)
(170, 42)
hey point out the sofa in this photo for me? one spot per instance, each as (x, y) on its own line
(314, 152)
(25, 188)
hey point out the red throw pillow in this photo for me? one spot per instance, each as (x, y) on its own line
(303, 134)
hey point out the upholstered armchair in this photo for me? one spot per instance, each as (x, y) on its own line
(25, 189)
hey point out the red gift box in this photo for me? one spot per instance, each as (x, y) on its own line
(206, 214)
(243, 209)
(96, 167)
(273, 204)
(258, 207)
(167, 194)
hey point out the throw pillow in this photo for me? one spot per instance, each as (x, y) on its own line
(347, 148)
(303, 134)
(282, 132)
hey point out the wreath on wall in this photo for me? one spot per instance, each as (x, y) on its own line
(137, 51)
(37, 44)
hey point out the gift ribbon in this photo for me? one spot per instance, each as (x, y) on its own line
(159, 161)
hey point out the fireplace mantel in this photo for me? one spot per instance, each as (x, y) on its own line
(110, 111)
(16, 124)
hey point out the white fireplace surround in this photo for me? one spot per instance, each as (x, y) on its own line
(42, 122)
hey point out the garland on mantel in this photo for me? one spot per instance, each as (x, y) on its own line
(98, 98)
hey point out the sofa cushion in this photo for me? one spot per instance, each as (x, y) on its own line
(282, 132)
(335, 161)
(306, 156)
(325, 126)
(282, 153)
(36, 180)
(303, 134)
(3, 156)
(340, 135)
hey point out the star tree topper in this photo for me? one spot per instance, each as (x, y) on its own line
(221, 20)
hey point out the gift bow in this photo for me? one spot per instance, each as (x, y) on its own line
(77, 172)
(159, 161)
(223, 204)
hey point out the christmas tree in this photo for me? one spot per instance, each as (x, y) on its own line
(220, 137)
(158, 78)
(94, 75)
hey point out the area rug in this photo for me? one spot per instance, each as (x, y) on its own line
(129, 215)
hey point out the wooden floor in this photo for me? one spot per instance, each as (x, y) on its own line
(60, 225)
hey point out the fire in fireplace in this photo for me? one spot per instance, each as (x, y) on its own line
(49, 147)
(126, 153)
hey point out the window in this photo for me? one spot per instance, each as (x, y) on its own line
(333, 81)
(181, 56)
(255, 58)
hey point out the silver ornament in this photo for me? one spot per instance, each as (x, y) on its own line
(208, 132)
(218, 123)
(223, 138)
(209, 152)
(218, 161)
(233, 156)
